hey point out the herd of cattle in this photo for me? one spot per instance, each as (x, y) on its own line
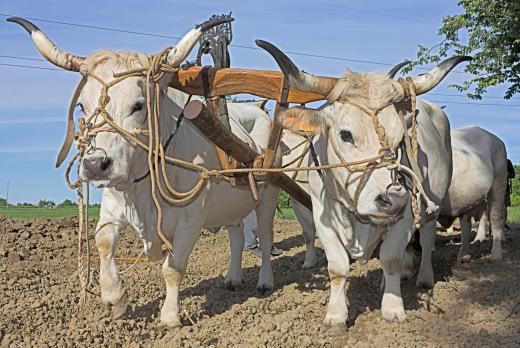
(463, 171)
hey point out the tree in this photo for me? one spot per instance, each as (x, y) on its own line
(515, 196)
(488, 30)
(3, 202)
(67, 203)
(46, 204)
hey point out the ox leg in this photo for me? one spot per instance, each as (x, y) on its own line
(265, 212)
(309, 234)
(496, 217)
(236, 241)
(465, 232)
(338, 268)
(408, 264)
(174, 268)
(392, 255)
(113, 293)
(483, 226)
(427, 239)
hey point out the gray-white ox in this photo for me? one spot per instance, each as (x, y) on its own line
(385, 206)
(293, 146)
(478, 185)
(118, 164)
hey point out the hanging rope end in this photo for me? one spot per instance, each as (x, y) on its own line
(431, 207)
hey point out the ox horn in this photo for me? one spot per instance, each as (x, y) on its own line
(183, 48)
(391, 74)
(47, 48)
(426, 82)
(298, 78)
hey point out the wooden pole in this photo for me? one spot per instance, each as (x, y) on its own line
(218, 134)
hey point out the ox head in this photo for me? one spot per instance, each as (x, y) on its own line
(352, 135)
(112, 160)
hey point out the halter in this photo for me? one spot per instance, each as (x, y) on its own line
(386, 157)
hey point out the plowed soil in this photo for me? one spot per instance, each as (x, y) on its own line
(473, 304)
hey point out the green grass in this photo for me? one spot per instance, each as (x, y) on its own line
(285, 213)
(34, 212)
(513, 214)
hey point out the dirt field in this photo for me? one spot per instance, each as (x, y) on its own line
(475, 304)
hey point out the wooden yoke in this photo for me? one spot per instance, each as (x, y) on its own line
(276, 130)
(228, 81)
(218, 134)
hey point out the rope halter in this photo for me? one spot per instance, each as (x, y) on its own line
(386, 157)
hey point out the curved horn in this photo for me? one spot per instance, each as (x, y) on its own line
(391, 74)
(298, 78)
(47, 48)
(183, 48)
(426, 82)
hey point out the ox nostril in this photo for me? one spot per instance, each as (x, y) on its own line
(383, 201)
(105, 163)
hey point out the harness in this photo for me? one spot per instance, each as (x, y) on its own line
(154, 70)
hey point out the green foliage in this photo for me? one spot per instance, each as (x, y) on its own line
(285, 213)
(284, 200)
(515, 196)
(513, 215)
(68, 203)
(43, 203)
(25, 204)
(488, 30)
(3, 202)
(284, 207)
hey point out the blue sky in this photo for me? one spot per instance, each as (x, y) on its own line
(33, 103)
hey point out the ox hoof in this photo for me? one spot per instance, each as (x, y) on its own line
(170, 324)
(334, 330)
(233, 285)
(425, 280)
(478, 240)
(310, 260)
(119, 308)
(394, 314)
(424, 283)
(263, 290)
(497, 256)
(464, 259)
(309, 264)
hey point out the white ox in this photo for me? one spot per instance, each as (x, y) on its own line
(478, 183)
(384, 205)
(293, 145)
(115, 164)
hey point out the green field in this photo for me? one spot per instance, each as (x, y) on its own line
(34, 212)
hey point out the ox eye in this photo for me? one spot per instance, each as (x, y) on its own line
(138, 106)
(346, 136)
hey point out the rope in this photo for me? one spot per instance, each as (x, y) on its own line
(136, 260)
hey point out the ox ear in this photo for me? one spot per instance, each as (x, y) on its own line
(302, 120)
